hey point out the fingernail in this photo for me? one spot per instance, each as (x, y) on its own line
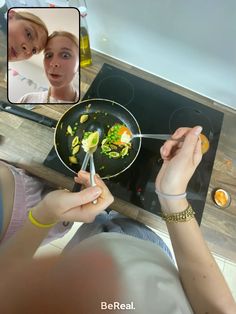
(97, 190)
(198, 130)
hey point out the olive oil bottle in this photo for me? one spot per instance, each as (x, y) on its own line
(85, 52)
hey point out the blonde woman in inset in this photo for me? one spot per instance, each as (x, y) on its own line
(27, 35)
(61, 64)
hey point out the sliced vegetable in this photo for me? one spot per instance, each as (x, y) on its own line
(105, 148)
(113, 147)
(75, 150)
(114, 155)
(88, 107)
(69, 130)
(73, 160)
(104, 141)
(75, 141)
(83, 118)
(124, 151)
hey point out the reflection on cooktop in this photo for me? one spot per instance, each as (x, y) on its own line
(157, 110)
(105, 89)
(191, 117)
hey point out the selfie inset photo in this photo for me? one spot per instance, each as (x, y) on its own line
(43, 55)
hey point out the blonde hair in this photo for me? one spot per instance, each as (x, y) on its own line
(71, 36)
(24, 15)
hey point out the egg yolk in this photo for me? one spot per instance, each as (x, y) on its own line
(117, 131)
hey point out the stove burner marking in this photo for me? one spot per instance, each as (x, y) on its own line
(105, 89)
(190, 117)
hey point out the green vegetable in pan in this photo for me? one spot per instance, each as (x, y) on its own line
(73, 160)
(83, 118)
(112, 145)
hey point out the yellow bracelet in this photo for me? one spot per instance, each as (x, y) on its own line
(183, 216)
(36, 223)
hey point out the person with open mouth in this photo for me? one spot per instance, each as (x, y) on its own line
(61, 65)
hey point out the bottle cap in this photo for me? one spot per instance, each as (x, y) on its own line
(2, 3)
(3, 6)
(83, 11)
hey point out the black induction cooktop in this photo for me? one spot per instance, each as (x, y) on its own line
(157, 110)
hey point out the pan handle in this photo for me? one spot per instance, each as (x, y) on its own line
(28, 114)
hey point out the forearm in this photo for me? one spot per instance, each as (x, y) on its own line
(201, 278)
(23, 243)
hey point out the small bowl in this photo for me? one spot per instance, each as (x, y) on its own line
(221, 198)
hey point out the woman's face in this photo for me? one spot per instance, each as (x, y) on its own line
(61, 61)
(24, 38)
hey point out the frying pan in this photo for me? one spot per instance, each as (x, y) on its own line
(103, 114)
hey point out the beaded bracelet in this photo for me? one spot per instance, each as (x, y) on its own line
(170, 196)
(38, 224)
(183, 216)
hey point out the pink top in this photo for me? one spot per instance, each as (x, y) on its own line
(29, 191)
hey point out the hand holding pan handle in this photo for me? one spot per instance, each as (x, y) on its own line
(27, 114)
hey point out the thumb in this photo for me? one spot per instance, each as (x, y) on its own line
(83, 197)
(191, 139)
